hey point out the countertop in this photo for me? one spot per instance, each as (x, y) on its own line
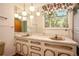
(46, 38)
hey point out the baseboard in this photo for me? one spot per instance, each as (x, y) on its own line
(77, 51)
(17, 54)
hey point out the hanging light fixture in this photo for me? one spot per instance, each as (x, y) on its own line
(24, 18)
(32, 8)
(31, 16)
(16, 14)
(22, 15)
(24, 12)
(38, 13)
(19, 17)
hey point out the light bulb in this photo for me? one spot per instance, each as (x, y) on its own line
(32, 8)
(38, 13)
(19, 17)
(16, 15)
(24, 18)
(31, 16)
(24, 13)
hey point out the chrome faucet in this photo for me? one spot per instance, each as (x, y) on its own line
(56, 36)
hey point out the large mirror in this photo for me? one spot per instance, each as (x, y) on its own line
(55, 15)
(20, 26)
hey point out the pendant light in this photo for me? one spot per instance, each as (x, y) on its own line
(38, 13)
(16, 14)
(32, 8)
(31, 16)
(24, 18)
(24, 12)
(19, 17)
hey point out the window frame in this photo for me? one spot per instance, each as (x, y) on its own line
(50, 27)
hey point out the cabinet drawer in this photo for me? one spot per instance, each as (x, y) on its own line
(34, 53)
(49, 52)
(18, 47)
(35, 48)
(35, 42)
(23, 40)
(59, 46)
(63, 54)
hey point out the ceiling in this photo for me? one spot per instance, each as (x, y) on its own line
(27, 5)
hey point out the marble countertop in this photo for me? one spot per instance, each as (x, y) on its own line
(46, 38)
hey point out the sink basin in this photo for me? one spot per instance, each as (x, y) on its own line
(25, 35)
(57, 37)
(22, 34)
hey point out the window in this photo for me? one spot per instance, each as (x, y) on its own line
(56, 19)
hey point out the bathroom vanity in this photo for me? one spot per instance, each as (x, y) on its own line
(39, 45)
(59, 21)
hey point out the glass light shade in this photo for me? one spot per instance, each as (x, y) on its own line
(38, 13)
(24, 18)
(32, 8)
(16, 15)
(24, 13)
(19, 17)
(49, 12)
(31, 16)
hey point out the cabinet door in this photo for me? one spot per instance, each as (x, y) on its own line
(49, 52)
(18, 47)
(25, 49)
(63, 54)
(33, 53)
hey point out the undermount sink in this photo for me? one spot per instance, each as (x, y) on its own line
(22, 34)
(56, 37)
(25, 35)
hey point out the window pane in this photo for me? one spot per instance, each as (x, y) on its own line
(56, 19)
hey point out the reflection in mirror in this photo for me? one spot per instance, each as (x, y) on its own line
(20, 26)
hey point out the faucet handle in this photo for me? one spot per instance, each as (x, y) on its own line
(56, 36)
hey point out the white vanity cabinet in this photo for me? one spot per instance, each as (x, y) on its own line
(59, 49)
(37, 47)
(18, 47)
(22, 46)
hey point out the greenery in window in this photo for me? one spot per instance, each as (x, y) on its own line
(56, 19)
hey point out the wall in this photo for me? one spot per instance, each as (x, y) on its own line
(6, 28)
(35, 26)
(38, 26)
(76, 27)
